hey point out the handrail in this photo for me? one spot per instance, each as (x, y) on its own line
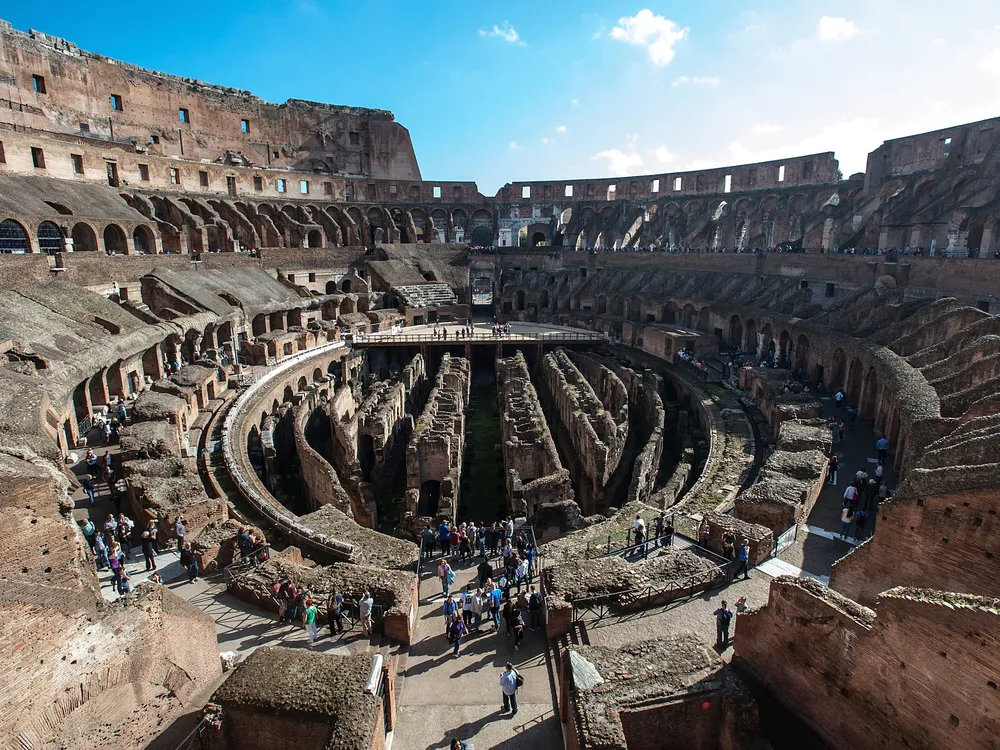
(417, 338)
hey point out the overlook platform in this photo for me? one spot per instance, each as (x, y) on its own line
(481, 335)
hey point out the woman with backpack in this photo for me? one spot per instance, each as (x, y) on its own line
(447, 576)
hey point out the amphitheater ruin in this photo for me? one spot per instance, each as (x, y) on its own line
(259, 332)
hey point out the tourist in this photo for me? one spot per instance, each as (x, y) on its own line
(518, 628)
(101, 552)
(659, 525)
(640, 539)
(92, 462)
(124, 583)
(447, 576)
(669, 533)
(485, 571)
(510, 681)
(116, 561)
(180, 531)
(729, 546)
(287, 596)
(110, 529)
(365, 607)
(534, 608)
(465, 546)
(846, 518)
(335, 612)
(465, 598)
(838, 397)
(723, 618)
(427, 539)
(741, 605)
(89, 532)
(509, 530)
(89, 488)
(454, 538)
(154, 532)
(743, 557)
(444, 536)
(124, 534)
(879, 471)
(450, 608)
(852, 416)
(309, 620)
(703, 532)
(190, 562)
(508, 615)
(850, 495)
(860, 520)
(481, 540)
(456, 632)
(842, 429)
(478, 609)
(521, 574)
(457, 744)
(147, 551)
(155, 578)
(831, 471)
(495, 598)
(882, 445)
(529, 556)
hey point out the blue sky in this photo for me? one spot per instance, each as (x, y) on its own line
(498, 92)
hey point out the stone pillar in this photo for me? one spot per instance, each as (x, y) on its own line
(102, 388)
(68, 243)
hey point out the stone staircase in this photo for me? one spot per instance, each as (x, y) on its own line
(427, 295)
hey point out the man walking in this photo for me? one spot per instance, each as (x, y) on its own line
(365, 611)
(335, 612)
(882, 445)
(743, 556)
(309, 620)
(723, 617)
(508, 686)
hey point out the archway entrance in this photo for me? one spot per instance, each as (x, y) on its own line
(84, 238)
(114, 240)
(366, 456)
(430, 498)
(142, 238)
(50, 239)
(13, 238)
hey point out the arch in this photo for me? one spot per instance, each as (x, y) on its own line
(287, 396)
(869, 395)
(538, 238)
(13, 238)
(687, 316)
(114, 240)
(314, 238)
(618, 305)
(345, 285)
(142, 240)
(331, 287)
(259, 324)
(430, 498)
(668, 314)
(50, 238)
(84, 238)
(602, 305)
(735, 330)
(783, 341)
(838, 371)
(318, 375)
(704, 319)
(519, 300)
(750, 338)
(854, 382)
(302, 384)
(635, 309)
(802, 353)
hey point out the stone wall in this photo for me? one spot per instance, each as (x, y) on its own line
(436, 450)
(533, 470)
(593, 434)
(319, 479)
(760, 538)
(918, 671)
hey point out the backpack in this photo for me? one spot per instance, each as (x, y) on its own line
(518, 680)
(725, 617)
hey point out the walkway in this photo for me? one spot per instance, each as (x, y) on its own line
(443, 697)
(482, 334)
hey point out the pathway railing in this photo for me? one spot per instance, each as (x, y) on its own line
(553, 337)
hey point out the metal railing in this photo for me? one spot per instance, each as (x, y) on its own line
(619, 542)
(239, 568)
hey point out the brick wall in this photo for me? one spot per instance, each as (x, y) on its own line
(947, 542)
(919, 671)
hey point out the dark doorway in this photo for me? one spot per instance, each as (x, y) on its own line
(430, 498)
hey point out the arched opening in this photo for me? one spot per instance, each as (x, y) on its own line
(482, 235)
(142, 239)
(750, 342)
(735, 330)
(114, 240)
(345, 285)
(602, 305)
(703, 319)
(302, 384)
(687, 316)
(13, 238)
(869, 395)
(802, 354)
(331, 287)
(618, 305)
(783, 340)
(854, 382)
(538, 238)
(519, 300)
(259, 325)
(315, 238)
(84, 238)
(430, 498)
(366, 456)
(635, 309)
(838, 371)
(80, 402)
(50, 239)
(318, 375)
(669, 313)
(287, 396)
(277, 321)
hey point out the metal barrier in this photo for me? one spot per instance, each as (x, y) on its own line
(620, 542)
(551, 337)
(785, 539)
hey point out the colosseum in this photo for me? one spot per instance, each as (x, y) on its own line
(275, 411)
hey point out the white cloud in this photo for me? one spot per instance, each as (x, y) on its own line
(513, 145)
(663, 156)
(832, 29)
(620, 163)
(697, 81)
(763, 127)
(506, 32)
(702, 164)
(657, 34)
(850, 140)
(561, 129)
(545, 140)
(574, 102)
(991, 63)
